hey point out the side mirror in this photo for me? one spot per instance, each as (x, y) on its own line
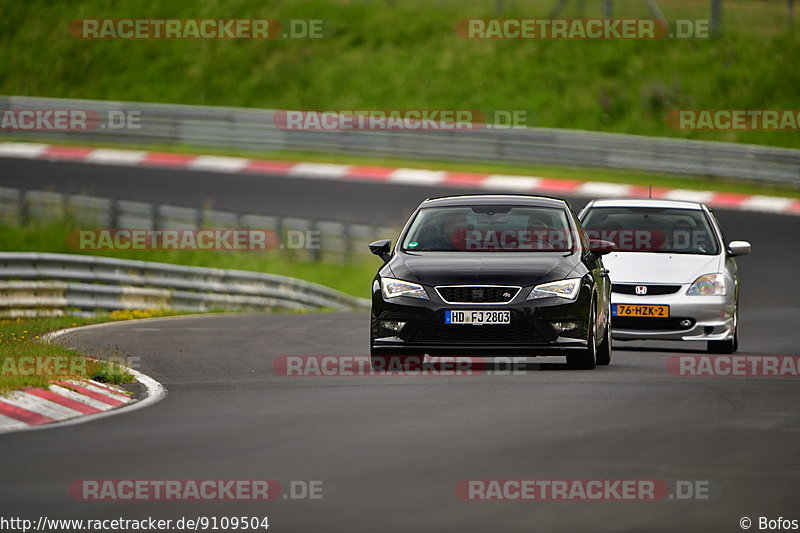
(381, 248)
(738, 248)
(601, 247)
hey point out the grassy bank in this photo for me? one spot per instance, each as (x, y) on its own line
(28, 360)
(406, 55)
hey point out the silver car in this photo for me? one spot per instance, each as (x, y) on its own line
(673, 277)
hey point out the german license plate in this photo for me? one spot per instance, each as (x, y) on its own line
(636, 310)
(477, 318)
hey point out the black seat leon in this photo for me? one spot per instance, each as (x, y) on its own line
(491, 275)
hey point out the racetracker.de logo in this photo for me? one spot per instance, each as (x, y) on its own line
(175, 489)
(388, 366)
(554, 490)
(399, 119)
(43, 366)
(192, 29)
(68, 120)
(562, 28)
(773, 366)
(179, 239)
(734, 119)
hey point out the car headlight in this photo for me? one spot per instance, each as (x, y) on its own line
(392, 288)
(566, 288)
(708, 285)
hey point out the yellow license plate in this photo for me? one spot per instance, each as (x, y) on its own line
(648, 311)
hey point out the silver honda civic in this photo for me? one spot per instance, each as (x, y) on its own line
(673, 277)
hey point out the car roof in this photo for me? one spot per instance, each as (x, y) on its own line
(646, 202)
(494, 199)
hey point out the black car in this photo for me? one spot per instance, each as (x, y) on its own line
(491, 275)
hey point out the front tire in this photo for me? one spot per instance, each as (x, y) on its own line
(604, 350)
(586, 359)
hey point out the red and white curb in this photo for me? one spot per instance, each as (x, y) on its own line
(70, 402)
(398, 176)
(62, 400)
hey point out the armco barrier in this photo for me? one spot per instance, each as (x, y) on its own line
(253, 129)
(306, 239)
(36, 284)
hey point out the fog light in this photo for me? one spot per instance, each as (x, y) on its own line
(686, 323)
(392, 325)
(565, 326)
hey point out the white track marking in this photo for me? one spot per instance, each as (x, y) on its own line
(597, 188)
(413, 176)
(510, 183)
(27, 150)
(320, 170)
(116, 157)
(688, 195)
(219, 164)
(770, 204)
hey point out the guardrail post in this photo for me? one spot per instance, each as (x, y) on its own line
(22, 206)
(199, 217)
(113, 214)
(347, 236)
(716, 17)
(65, 205)
(279, 232)
(156, 216)
(315, 252)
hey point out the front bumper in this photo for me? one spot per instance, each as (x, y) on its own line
(537, 327)
(706, 318)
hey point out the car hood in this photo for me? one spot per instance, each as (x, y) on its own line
(468, 268)
(643, 267)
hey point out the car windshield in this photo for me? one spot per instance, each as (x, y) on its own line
(499, 228)
(649, 229)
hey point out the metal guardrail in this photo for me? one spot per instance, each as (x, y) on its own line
(36, 284)
(253, 129)
(305, 239)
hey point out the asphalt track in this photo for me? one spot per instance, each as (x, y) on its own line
(390, 450)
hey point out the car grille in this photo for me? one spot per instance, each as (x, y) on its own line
(671, 323)
(519, 333)
(477, 294)
(652, 290)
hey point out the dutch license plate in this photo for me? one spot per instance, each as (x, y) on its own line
(477, 318)
(636, 310)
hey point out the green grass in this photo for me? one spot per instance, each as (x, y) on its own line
(405, 54)
(22, 344)
(51, 236)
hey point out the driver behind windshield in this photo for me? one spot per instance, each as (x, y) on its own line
(538, 231)
(681, 236)
(444, 233)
